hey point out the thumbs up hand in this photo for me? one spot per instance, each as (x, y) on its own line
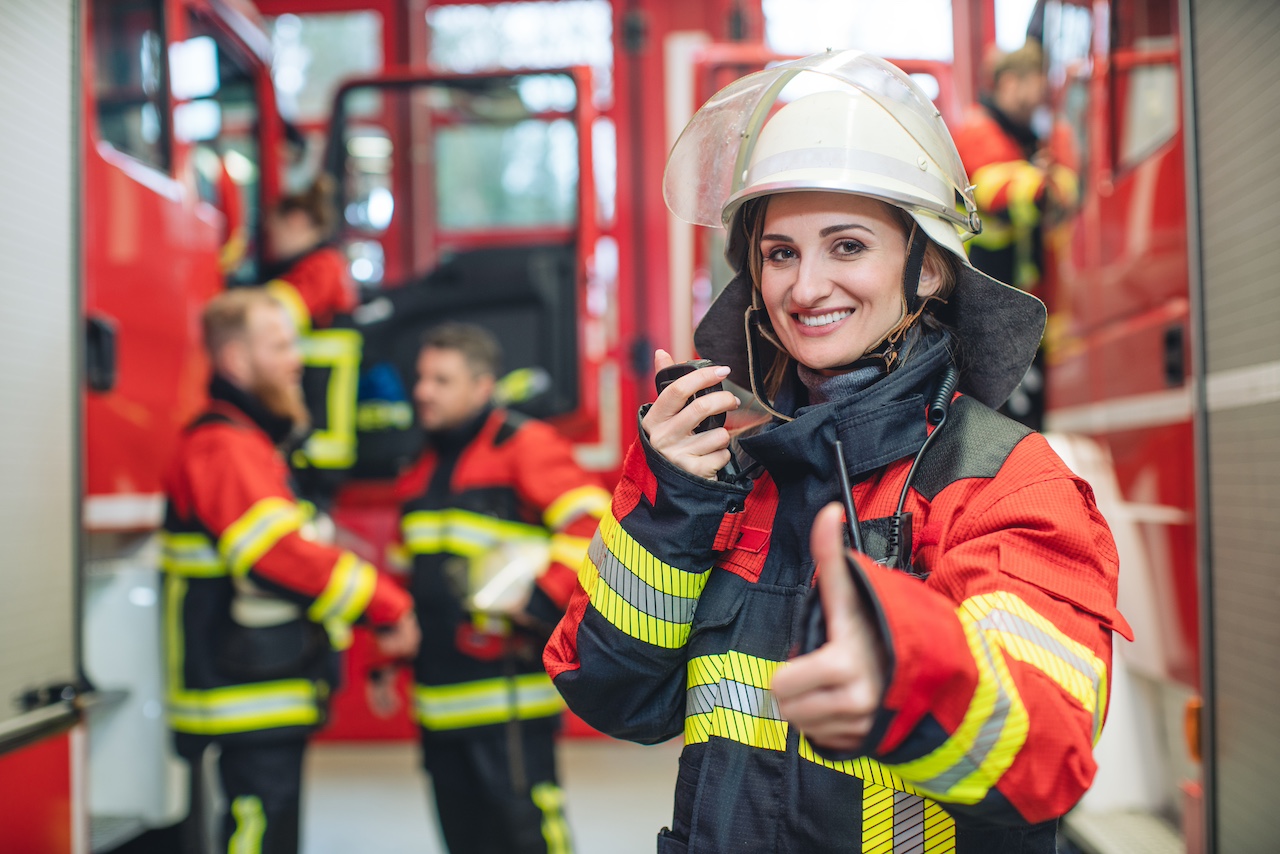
(833, 693)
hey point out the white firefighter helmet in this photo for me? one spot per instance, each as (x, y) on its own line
(853, 123)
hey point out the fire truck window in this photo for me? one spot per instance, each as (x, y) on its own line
(313, 53)
(129, 78)
(218, 111)
(1145, 93)
(1068, 35)
(540, 34)
(494, 176)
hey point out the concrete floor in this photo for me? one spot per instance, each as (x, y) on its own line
(373, 799)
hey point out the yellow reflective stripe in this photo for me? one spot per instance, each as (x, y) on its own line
(965, 767)
(728, 696)
(899, 821)
(344, 598)
(192, 555)
(461, 532)
(1027, 636)
(236, 708)
(1025, 182)
(653, 572)
(233, 250)
(549, 798)
(617, 587)
(989, 180)
(487, 701)
(568, 550)
(339, 351)
(939, 828)
(374, 415)
(251, 825)
(251, 536)
(584, 501)
(877, 819)
(293, 303)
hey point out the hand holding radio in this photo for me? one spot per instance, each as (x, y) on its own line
(686, 422)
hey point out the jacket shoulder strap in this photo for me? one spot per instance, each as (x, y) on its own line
(975, 442)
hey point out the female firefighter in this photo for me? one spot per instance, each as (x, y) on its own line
(951, 700)
(313, 284)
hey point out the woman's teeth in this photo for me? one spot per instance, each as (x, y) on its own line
(823, 319)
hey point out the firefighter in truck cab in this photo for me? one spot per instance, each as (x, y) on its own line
(496, 518)
(256, 601)
(942, 689)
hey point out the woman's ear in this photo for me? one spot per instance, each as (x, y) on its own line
(930, 275)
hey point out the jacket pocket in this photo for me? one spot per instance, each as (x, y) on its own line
(294, 649)
(720, 601)
(669, 844)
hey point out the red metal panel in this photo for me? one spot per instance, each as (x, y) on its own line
(36, 797)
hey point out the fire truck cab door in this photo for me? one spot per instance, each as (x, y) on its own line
(468, 198)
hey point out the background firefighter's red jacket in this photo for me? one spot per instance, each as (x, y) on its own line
(1013, 192)
(997, 681)
(503, 478)
(253, 606)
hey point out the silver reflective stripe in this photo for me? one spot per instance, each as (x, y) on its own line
(250, 538)
(218, 709)
(908, 824)
(634, 590)
(987, 736)
(700, 699)
(758, 702)
(1004, 621)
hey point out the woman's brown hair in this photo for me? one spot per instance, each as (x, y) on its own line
(316, 201)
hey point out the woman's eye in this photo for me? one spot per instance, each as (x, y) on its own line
(848, 247)
(780, 253)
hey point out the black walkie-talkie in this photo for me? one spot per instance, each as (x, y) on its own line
(670, 374)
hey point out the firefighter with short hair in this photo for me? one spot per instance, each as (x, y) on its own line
(496, 518)
(256, 602)
(1019, 189)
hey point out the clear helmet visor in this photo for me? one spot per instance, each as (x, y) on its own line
(710, 169)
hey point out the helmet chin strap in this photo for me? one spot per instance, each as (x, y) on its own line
(885, 351)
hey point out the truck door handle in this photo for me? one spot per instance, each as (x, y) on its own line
(1175, 355)
(100, 353)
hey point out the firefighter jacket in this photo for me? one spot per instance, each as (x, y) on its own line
(317, 292)
(1012, 193)
(253, 606)
(998, 640)
(502, 479)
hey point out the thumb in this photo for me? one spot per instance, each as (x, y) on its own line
(839, 598)
(662, 359)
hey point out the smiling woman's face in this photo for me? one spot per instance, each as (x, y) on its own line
(832, 274)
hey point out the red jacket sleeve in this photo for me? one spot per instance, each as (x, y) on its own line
(239, 493)
(570, 500)
(998, 679)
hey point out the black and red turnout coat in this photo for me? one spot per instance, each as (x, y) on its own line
(998, 641)
(502, 481)
(253, 601)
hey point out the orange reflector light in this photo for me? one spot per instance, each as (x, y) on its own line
(1191, 721)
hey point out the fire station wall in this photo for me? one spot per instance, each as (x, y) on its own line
(38, 378)
(1237, 98)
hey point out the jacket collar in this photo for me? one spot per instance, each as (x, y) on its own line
(877, 425)
(453, 439)
(226, 393)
